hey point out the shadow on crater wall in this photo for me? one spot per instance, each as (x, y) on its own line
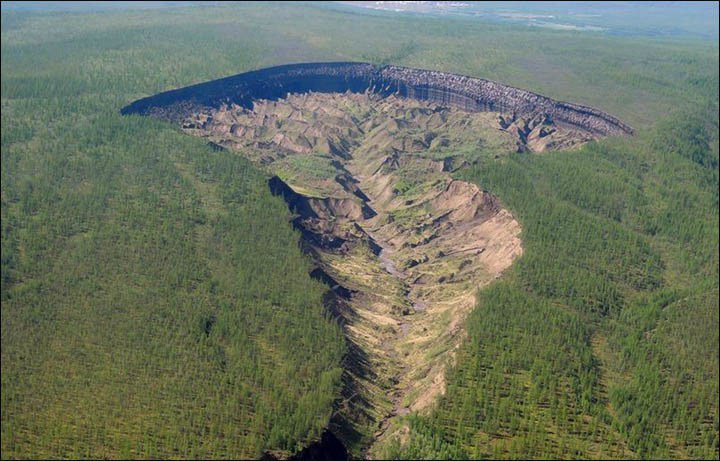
(468, 93)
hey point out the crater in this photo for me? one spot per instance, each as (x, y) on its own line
(452, 90)
(364, 157)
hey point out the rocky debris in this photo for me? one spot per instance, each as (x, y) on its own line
(539, 133)
(415, 261)
(297, 125)
(446, 89)
(433, 240)
(349, 184)
(327, 223)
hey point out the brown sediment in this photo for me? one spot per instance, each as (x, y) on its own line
(385, 224)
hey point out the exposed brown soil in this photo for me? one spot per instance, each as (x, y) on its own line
(402, 244)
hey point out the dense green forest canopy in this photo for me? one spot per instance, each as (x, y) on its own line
(155, 302)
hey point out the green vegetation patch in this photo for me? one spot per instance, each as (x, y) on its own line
(300, 171)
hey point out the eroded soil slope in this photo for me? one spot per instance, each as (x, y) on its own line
(403, 245)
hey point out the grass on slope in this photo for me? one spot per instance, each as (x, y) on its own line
(155, 302)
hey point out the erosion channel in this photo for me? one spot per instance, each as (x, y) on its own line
(402, 245)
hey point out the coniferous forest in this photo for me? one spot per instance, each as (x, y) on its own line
(156, 301)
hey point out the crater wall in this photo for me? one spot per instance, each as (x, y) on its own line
(468, 93)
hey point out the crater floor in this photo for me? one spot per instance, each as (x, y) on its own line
(402, 244)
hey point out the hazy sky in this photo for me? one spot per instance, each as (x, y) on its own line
(688, 19)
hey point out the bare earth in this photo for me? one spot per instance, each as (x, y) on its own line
(403, 244)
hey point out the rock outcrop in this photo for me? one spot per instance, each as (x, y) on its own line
(459, 91)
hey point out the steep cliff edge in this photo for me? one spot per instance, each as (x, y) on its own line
(467, 93)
